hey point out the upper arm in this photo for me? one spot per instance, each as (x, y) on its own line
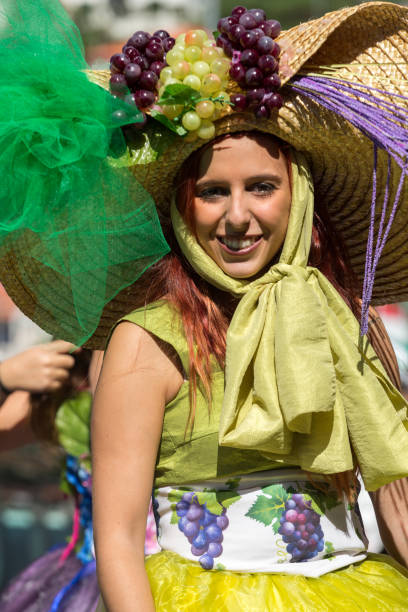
(136, 382)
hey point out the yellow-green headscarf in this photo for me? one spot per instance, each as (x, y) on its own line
(301, 386)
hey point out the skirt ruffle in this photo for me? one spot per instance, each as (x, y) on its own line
(376, 584)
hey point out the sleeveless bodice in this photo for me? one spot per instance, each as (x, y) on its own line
(182, 457)
(207, 496)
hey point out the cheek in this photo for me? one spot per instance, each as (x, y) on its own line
(276, 215)
(206, 219)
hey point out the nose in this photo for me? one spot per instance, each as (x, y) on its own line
(237, 214)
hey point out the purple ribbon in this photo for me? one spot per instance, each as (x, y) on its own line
(386, 125)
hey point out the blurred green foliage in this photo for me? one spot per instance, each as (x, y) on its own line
(290, 12)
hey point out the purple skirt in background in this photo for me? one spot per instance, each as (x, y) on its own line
(47, 585)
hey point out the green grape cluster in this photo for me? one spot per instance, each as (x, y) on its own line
(196, 61)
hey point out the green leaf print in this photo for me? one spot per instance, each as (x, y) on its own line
(277, 491)
(227, 498)
(215, 501)
(322, 500)
(268, 508)
(233, 483)
(64, 485)
(220, 567)
(175, 496)
(171, 125)
(210, 499)
(263, 510)
(328, 550)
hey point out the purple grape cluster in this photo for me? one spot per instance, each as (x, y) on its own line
(248, 37)
(135, 72)
(202, 528)
(300, 529)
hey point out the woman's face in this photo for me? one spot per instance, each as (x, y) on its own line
(242, 203)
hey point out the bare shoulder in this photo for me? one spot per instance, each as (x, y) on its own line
(133, 350)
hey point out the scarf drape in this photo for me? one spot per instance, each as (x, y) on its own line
(301, 385)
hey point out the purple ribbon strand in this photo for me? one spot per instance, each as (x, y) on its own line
(385, 123)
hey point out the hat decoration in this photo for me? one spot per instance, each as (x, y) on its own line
(182, 82)
(194, 91)
(74, 230)
(386, 125)
(168, 97)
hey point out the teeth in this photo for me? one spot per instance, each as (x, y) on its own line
(236, 245)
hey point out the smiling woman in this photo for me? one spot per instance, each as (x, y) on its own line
(237, 382)
(240, 215)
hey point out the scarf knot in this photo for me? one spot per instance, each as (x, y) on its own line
(279, 323)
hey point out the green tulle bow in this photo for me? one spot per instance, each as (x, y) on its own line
(76, 229)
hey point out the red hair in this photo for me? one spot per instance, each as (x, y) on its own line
(206, 311)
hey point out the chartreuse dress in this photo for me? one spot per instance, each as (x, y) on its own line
(242, 533)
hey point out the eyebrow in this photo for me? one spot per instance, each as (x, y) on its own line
(252, 179)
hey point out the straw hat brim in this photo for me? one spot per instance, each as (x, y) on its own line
(365, 44)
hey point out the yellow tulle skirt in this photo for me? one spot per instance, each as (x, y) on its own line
(379, 583)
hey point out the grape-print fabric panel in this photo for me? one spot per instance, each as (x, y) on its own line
(275, 521)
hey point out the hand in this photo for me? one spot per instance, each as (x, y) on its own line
(40, 369)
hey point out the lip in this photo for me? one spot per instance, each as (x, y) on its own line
(243, 251)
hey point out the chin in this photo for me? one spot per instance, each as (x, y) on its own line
(243, 273)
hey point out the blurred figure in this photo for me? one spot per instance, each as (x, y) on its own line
(40, 369)
(64, 578)
(57, 410)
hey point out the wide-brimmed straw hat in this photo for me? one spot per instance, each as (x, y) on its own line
(348, 58)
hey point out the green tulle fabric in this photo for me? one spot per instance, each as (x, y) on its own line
(92, 228)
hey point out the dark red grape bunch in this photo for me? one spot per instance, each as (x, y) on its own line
(300, 529)
(248, 38)
(135, 72)
(202, 528)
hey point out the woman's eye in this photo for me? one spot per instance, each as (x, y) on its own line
(211, 193)
(262, 188)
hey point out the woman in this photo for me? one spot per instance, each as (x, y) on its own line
(240, 219)
(254, 480)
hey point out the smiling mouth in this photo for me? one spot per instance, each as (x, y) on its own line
(239, 244)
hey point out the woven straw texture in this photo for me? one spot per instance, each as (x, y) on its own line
(364, 44)
(372, 40)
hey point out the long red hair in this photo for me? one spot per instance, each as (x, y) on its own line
(206, 311)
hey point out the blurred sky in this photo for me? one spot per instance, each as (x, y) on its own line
(103, 21)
